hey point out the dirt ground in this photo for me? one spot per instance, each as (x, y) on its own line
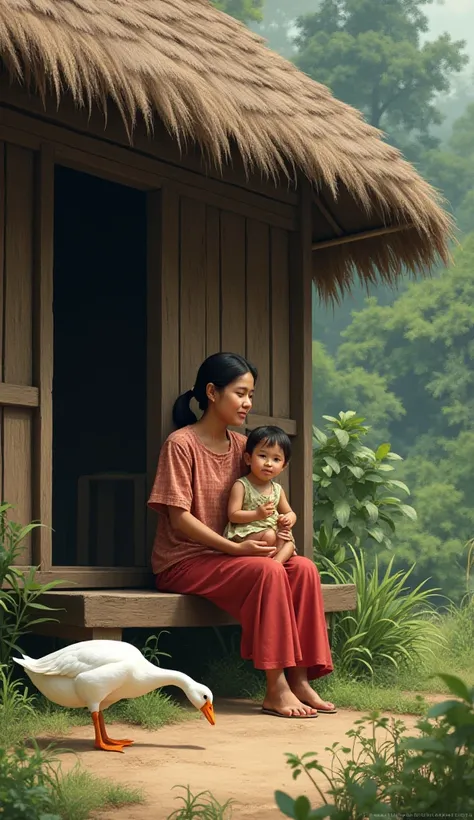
(242, 757)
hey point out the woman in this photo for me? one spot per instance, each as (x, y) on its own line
(279, 605)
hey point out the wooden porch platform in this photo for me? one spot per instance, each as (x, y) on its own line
(93, 613)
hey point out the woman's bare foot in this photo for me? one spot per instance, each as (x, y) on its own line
(304, 692)
(279, 697)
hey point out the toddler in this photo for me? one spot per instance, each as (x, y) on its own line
(258, 507)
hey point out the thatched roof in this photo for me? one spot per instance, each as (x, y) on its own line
(213, 81)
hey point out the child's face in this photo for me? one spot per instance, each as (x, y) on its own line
(266, 462)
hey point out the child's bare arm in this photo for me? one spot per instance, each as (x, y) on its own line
(237, 515)
(287, 518)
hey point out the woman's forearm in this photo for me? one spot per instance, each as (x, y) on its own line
(190, 526)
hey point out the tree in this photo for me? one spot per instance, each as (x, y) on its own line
(423, 345)
(279, 23)
(422, 350)
(334, 388)
(244, 10)
(452, 168)
(370, 53)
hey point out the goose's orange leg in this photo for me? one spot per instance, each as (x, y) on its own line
(106, 738)
(99, 741)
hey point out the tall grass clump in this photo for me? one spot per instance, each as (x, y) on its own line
(392, 624)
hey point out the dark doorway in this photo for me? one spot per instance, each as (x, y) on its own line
(99, 386)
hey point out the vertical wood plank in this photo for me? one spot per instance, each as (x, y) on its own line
(43, 358)
(18, 331)
(233, 283)
(169, 362)
(213, 284)
(258, 310)
(280, 333)
(83, 519)
(105, 550)
(2, 300)
(140, 551)
(162, 326)
(192, 290)
(301, 374)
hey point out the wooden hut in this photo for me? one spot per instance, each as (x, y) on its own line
(171, 187)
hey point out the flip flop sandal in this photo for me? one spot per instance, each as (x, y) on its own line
(274, 713)
(321, 711)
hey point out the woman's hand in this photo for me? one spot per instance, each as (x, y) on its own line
(285, 535)
(252, 548)
(265, 510)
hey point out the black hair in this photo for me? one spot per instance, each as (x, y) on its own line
(273, 436)
(220, 369)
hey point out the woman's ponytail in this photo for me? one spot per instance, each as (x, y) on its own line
(182, 413)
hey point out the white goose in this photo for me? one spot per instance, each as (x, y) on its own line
(95, 674)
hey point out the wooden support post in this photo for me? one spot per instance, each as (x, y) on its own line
(43, 358)
(301, 371)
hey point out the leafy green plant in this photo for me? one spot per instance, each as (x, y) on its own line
(150, 650)
(391, 623)
(19, 591)
(355, 499)
(15, 700)
(386, 771)
(27, 780)
(202, 805)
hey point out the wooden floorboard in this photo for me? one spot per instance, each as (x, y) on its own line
(112, 609)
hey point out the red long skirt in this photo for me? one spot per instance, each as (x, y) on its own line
(279, 606)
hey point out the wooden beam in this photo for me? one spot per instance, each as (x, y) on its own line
(255, 420)
(301, 375)
(43, 358)
(122, 609)
(95, 577)
(327, 215)
(19, 395)
(357, 237)
(134, 166)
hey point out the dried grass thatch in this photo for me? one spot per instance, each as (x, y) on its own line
(214, 82)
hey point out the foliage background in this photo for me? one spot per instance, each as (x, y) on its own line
(404, 359)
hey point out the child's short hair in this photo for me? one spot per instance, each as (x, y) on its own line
(273, 436)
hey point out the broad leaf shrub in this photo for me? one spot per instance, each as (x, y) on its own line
(383, 770)
(392, 623)
(27, 783)
(356, 497)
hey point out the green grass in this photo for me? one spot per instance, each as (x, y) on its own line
(46, 719)
(80, 793)
(150, 711)
(201, 806)
(368, 697)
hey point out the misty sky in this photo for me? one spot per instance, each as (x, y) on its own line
(456, 17)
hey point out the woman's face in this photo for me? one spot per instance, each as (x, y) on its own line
(234, 402)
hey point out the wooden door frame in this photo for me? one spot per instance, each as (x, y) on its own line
(39, 396)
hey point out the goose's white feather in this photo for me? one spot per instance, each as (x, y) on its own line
(96, 674)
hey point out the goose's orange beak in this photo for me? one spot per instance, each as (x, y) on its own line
(208, 712)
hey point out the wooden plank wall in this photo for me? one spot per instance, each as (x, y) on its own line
(16, 324)
(234, 296)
